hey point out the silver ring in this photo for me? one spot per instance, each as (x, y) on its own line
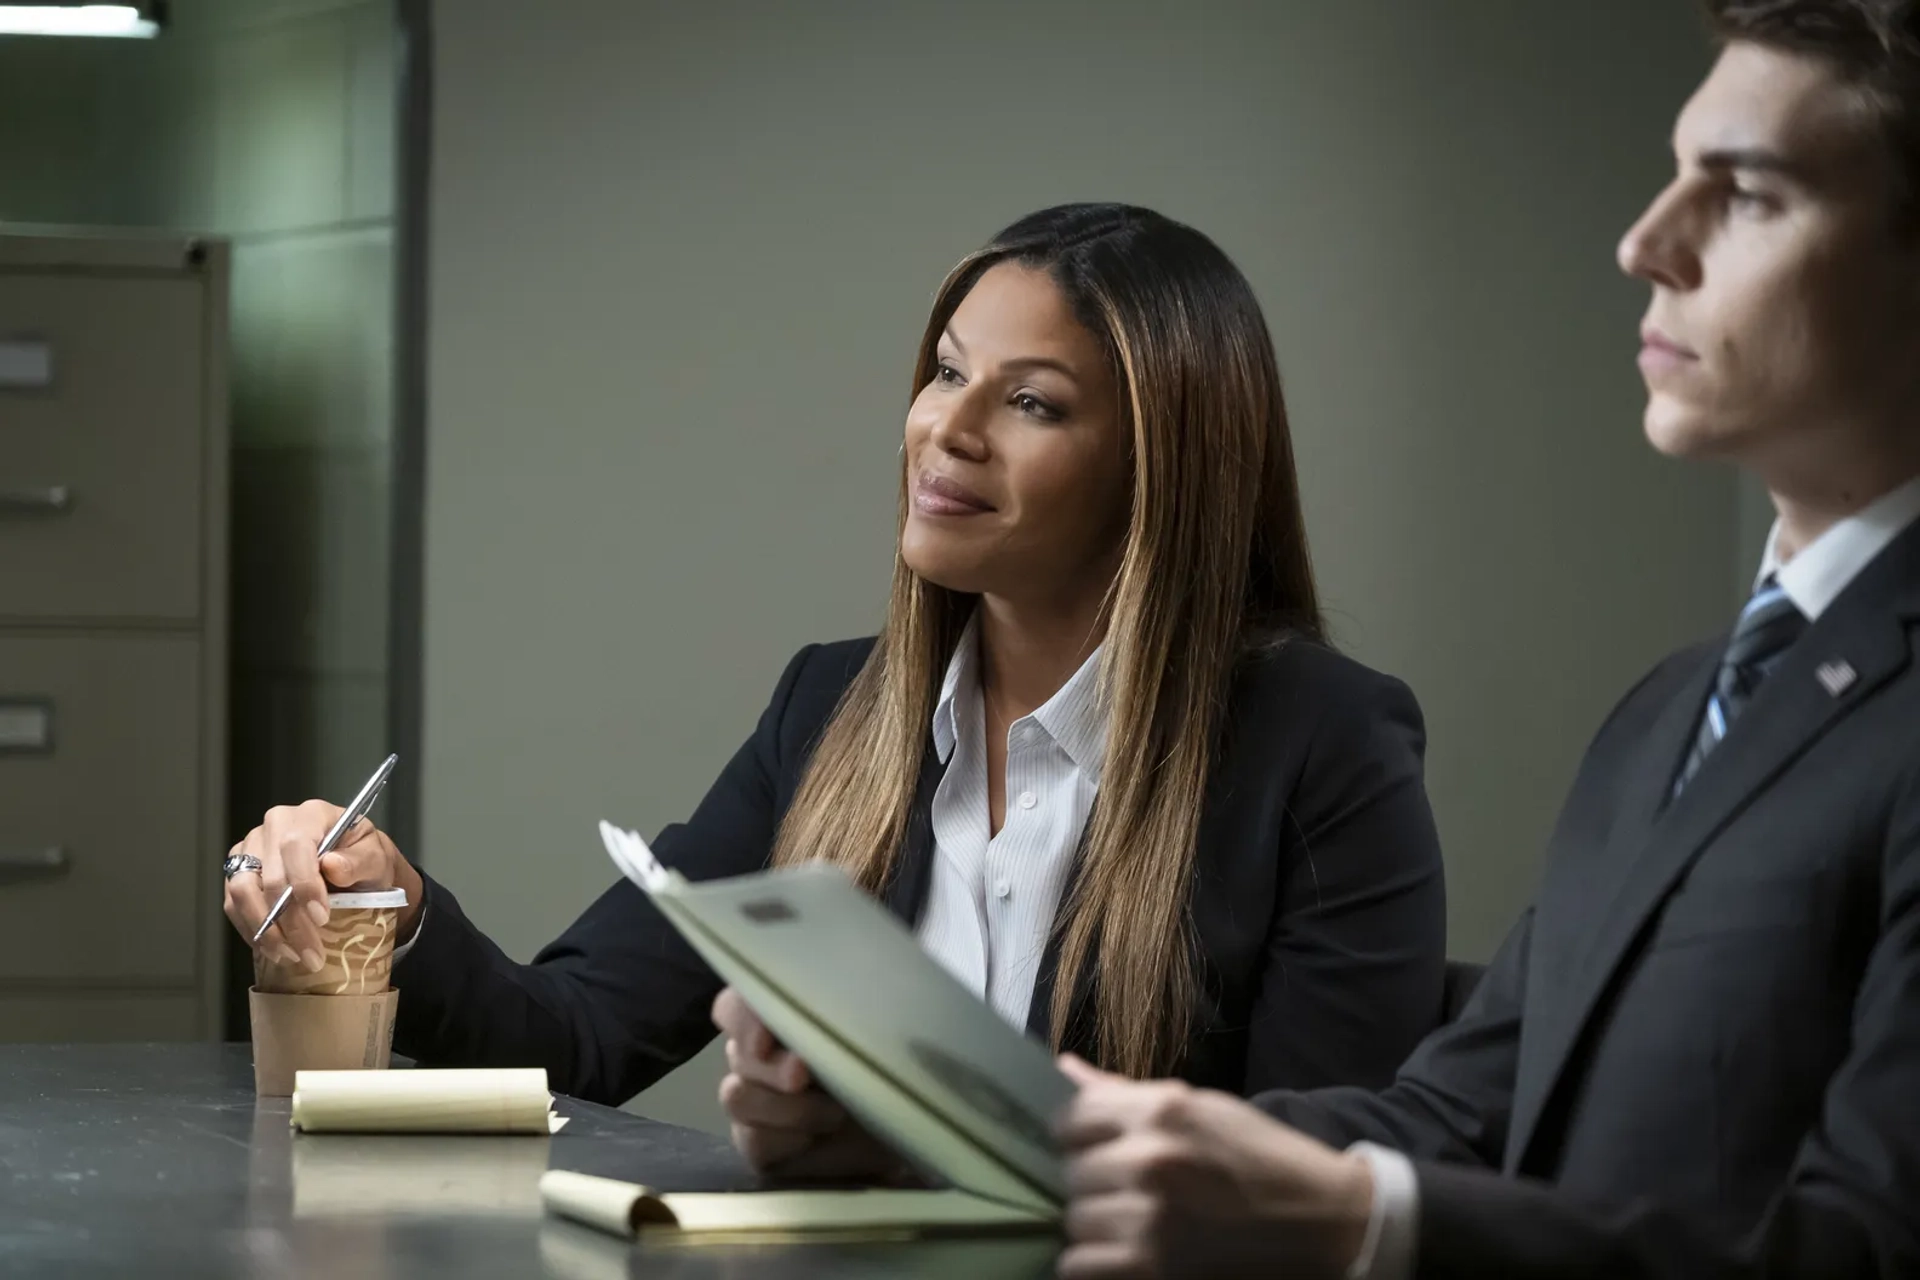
(238, 862)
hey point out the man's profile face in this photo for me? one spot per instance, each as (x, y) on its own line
(1785, 317)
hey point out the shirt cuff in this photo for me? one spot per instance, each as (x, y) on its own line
(400, 952)
(1393, 1226)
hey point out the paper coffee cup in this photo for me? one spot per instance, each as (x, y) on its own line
(295, 1033)
(356, 949)
(340, 1018)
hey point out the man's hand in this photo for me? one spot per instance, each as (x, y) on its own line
(1166, 1180)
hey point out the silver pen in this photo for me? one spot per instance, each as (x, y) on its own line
(348, 816)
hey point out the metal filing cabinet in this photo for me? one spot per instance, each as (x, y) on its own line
(113, 650)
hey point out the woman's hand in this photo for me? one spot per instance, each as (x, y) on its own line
(783, 1123)
(287, 843)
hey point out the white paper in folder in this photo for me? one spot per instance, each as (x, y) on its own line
(917, 1057)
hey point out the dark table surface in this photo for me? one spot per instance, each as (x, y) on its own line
(157, 1160)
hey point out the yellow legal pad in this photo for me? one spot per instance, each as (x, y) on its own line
(630, 1210)
(457, 1100)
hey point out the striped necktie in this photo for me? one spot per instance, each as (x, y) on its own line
(1767, 628)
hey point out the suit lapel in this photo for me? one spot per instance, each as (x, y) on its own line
(1568, 927)
(1655, 843)
(1649, 791)
(1040, 1006)
(905, 893)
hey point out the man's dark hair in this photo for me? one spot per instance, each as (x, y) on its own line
(1873, 44)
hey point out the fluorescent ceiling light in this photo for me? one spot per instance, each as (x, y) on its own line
(75, 20)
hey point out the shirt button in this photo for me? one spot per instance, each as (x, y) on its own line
(1002, 889)
(1028, 799)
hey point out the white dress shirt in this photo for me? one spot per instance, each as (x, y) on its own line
(1813, 580)
(991, 904)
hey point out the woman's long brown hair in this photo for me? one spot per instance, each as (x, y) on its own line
(1215, 563)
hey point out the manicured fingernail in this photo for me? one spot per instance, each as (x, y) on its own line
(312, 960)
(318, 910)
(289, 956)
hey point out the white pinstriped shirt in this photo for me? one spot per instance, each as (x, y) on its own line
(990, 909)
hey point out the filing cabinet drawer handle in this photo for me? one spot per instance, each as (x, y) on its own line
(34, 864)
(54, 500)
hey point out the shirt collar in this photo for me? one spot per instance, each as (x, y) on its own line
(1815, 577)
(1075, 717)
(961, 684)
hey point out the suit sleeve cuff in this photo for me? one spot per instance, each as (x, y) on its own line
(1393, 1226)
(419, 926)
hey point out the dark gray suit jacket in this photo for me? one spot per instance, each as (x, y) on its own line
(1698, 1054)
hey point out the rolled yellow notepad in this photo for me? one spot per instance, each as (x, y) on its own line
(470, 1100)
(620, 1208)
(629, 1209)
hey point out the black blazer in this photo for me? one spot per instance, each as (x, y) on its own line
(1318, 901)
(1698, 1054)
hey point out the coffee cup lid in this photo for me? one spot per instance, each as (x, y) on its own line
(377, 898)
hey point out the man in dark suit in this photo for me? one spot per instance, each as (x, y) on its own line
(1698, 1053)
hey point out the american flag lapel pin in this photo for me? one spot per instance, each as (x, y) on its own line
(1836, 677)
